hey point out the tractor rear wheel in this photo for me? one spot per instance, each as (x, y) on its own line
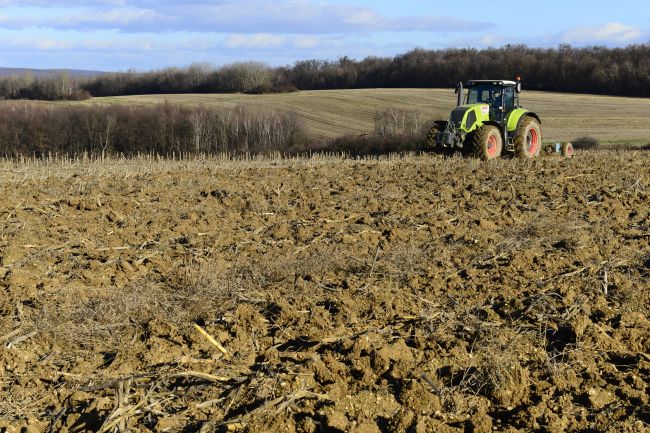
(528, 138)
(437, 128)
(567, 150)
(487, 142)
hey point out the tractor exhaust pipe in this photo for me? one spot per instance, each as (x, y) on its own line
(459, 92)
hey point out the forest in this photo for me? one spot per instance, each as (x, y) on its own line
(595, 70)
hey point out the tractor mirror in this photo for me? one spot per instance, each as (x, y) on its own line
(459, 92)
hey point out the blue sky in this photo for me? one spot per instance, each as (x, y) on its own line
(149, 34)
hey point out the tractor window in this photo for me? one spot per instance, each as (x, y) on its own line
(485, 94)
(509, 98)
(477, 94)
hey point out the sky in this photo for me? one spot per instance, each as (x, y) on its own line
(116, 35)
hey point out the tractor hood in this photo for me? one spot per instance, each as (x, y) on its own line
(469, 117)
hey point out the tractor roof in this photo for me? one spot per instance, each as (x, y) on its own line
(493, 82)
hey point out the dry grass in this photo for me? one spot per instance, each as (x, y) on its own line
(333, 113)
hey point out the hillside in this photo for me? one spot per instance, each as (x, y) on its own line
(331, 113)
(8, 72)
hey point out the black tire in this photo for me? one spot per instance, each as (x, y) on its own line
(486, 142)
(567, 150)
(528, 138)
(430, 143)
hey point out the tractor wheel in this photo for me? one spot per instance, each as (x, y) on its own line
(567, 150)
(487, 142)
(430, 143)
(528, 138)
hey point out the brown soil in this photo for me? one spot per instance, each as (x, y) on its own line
(407, 295)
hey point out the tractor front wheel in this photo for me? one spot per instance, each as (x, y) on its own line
(487, 142)
(528, 138)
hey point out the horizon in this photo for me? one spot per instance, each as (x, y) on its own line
(142, 35)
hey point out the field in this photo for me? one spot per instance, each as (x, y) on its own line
(411, 294)
(332, 113)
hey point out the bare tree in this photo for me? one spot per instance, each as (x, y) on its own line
(106, 136)
(197, 120)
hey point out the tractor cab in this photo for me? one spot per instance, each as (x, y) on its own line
(501, 96)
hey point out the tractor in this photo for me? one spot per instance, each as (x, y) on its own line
(487, 121)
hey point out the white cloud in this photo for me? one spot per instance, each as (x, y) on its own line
(306, 42)
(263, 40)
(610, 34)
(231, 16)
(492, 40)
(97, 45)
(111, 17)
(615, 33)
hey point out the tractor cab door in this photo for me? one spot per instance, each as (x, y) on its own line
(496, 102)
(502, 103)
(508, 99)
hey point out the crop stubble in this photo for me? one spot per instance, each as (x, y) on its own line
(403, 294)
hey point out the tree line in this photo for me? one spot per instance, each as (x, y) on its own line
(32, 129)
(598, 70)
(164, 129)
(55, 87)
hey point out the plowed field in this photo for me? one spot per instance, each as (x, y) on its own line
(417, 294)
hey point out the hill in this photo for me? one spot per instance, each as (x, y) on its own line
(8, 72)
(332, 113)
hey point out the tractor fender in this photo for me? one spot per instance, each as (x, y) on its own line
(516, 117)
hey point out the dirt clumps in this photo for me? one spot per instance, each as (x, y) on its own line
(410, 294)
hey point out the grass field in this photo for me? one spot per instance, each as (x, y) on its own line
(332, 113)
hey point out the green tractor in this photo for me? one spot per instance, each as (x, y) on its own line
(488, 121)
